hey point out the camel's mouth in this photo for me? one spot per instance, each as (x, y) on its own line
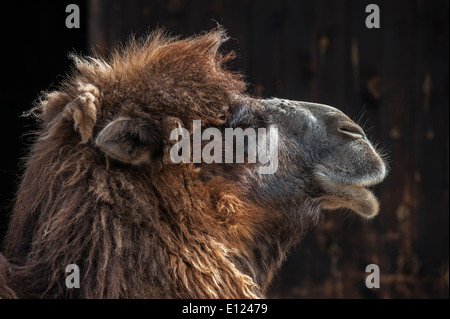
(355, 196)
(348, 177)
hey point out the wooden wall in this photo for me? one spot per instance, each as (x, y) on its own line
(393, 80)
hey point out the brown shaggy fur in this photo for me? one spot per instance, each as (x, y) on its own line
(152, 236)
(136, 224)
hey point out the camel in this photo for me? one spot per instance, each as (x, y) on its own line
(101, 191)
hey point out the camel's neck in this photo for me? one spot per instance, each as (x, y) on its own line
(273, 240)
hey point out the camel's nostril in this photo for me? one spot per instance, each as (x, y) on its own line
(351, 130)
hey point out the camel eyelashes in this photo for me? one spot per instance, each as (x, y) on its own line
(128, 140)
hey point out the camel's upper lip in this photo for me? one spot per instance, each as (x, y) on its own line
(365, 182)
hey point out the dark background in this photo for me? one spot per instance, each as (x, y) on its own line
(393, 80)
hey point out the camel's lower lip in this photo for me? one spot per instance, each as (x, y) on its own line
(356, 197)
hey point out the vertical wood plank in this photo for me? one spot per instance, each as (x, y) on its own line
(430, 152)
(396, 108)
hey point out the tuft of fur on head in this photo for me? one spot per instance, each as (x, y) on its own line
(165, 74)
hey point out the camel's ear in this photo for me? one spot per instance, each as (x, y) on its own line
(58, 107)
(130, 140)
